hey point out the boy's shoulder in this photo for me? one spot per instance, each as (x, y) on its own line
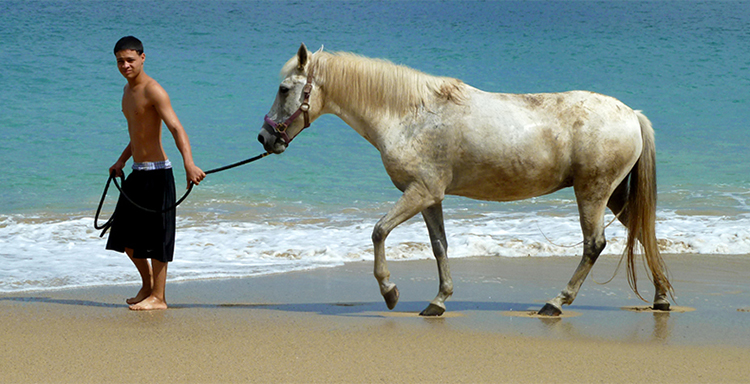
(153, 90)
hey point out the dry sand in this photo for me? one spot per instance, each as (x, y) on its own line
(332, 326)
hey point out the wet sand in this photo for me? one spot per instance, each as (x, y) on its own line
(331, 325)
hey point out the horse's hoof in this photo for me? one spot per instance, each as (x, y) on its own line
(661, 306)
(432, 310)
(549, 310)
(391, 298)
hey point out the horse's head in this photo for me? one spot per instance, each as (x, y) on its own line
(293, 110)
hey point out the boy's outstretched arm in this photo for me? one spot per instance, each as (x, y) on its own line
(163, 105)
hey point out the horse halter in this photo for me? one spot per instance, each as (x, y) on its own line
(303, 109)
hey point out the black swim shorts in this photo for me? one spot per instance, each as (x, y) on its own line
(150, 235)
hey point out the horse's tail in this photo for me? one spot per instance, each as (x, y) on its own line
(641, 213)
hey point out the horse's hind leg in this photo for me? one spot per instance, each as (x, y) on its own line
(592, 218)
(433, 217)
(618, 205)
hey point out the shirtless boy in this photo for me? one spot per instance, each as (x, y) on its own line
(140, 234)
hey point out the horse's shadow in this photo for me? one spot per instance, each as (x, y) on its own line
(373, 308)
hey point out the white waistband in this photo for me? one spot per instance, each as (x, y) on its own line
(152, 165)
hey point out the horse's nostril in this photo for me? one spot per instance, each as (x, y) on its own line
(260, 138)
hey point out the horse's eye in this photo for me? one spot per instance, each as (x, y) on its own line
(283, 90)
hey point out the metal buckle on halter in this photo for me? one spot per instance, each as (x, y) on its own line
(304, 107)
(281, 127)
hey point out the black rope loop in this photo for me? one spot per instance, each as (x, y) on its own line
(104, 227)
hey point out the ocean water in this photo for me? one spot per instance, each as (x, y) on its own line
(685, 64)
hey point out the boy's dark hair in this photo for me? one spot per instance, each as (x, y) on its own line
(129, 42)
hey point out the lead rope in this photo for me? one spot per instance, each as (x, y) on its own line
(104, 227)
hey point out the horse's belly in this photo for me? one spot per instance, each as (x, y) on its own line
(514, 164)
(500, 185)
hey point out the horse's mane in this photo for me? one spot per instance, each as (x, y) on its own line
(368, 82)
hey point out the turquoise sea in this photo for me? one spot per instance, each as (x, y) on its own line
(686, 64)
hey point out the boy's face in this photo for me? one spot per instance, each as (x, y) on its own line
(130, 63)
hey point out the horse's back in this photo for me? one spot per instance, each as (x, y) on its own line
(516, 146)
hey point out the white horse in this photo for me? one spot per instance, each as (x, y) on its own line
(438, 136)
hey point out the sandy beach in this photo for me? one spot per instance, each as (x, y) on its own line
(330, 325)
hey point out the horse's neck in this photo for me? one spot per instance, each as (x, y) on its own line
(359, 119)
(369, 106)
(374, 96)
(368, 120)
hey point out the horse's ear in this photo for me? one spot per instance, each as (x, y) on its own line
(320, 50)
(302, 55)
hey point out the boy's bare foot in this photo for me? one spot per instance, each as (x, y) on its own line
(142, 295)
(148, 304)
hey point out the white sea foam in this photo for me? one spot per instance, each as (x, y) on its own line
(39, 254)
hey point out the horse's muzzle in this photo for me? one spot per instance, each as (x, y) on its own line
(271, 140)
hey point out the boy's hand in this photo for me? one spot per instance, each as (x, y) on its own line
(117, 169)
(194, 175)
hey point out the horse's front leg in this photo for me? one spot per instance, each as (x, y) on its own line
(413, 201)
(433, 217)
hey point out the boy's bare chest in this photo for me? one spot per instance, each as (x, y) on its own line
(136, 107)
